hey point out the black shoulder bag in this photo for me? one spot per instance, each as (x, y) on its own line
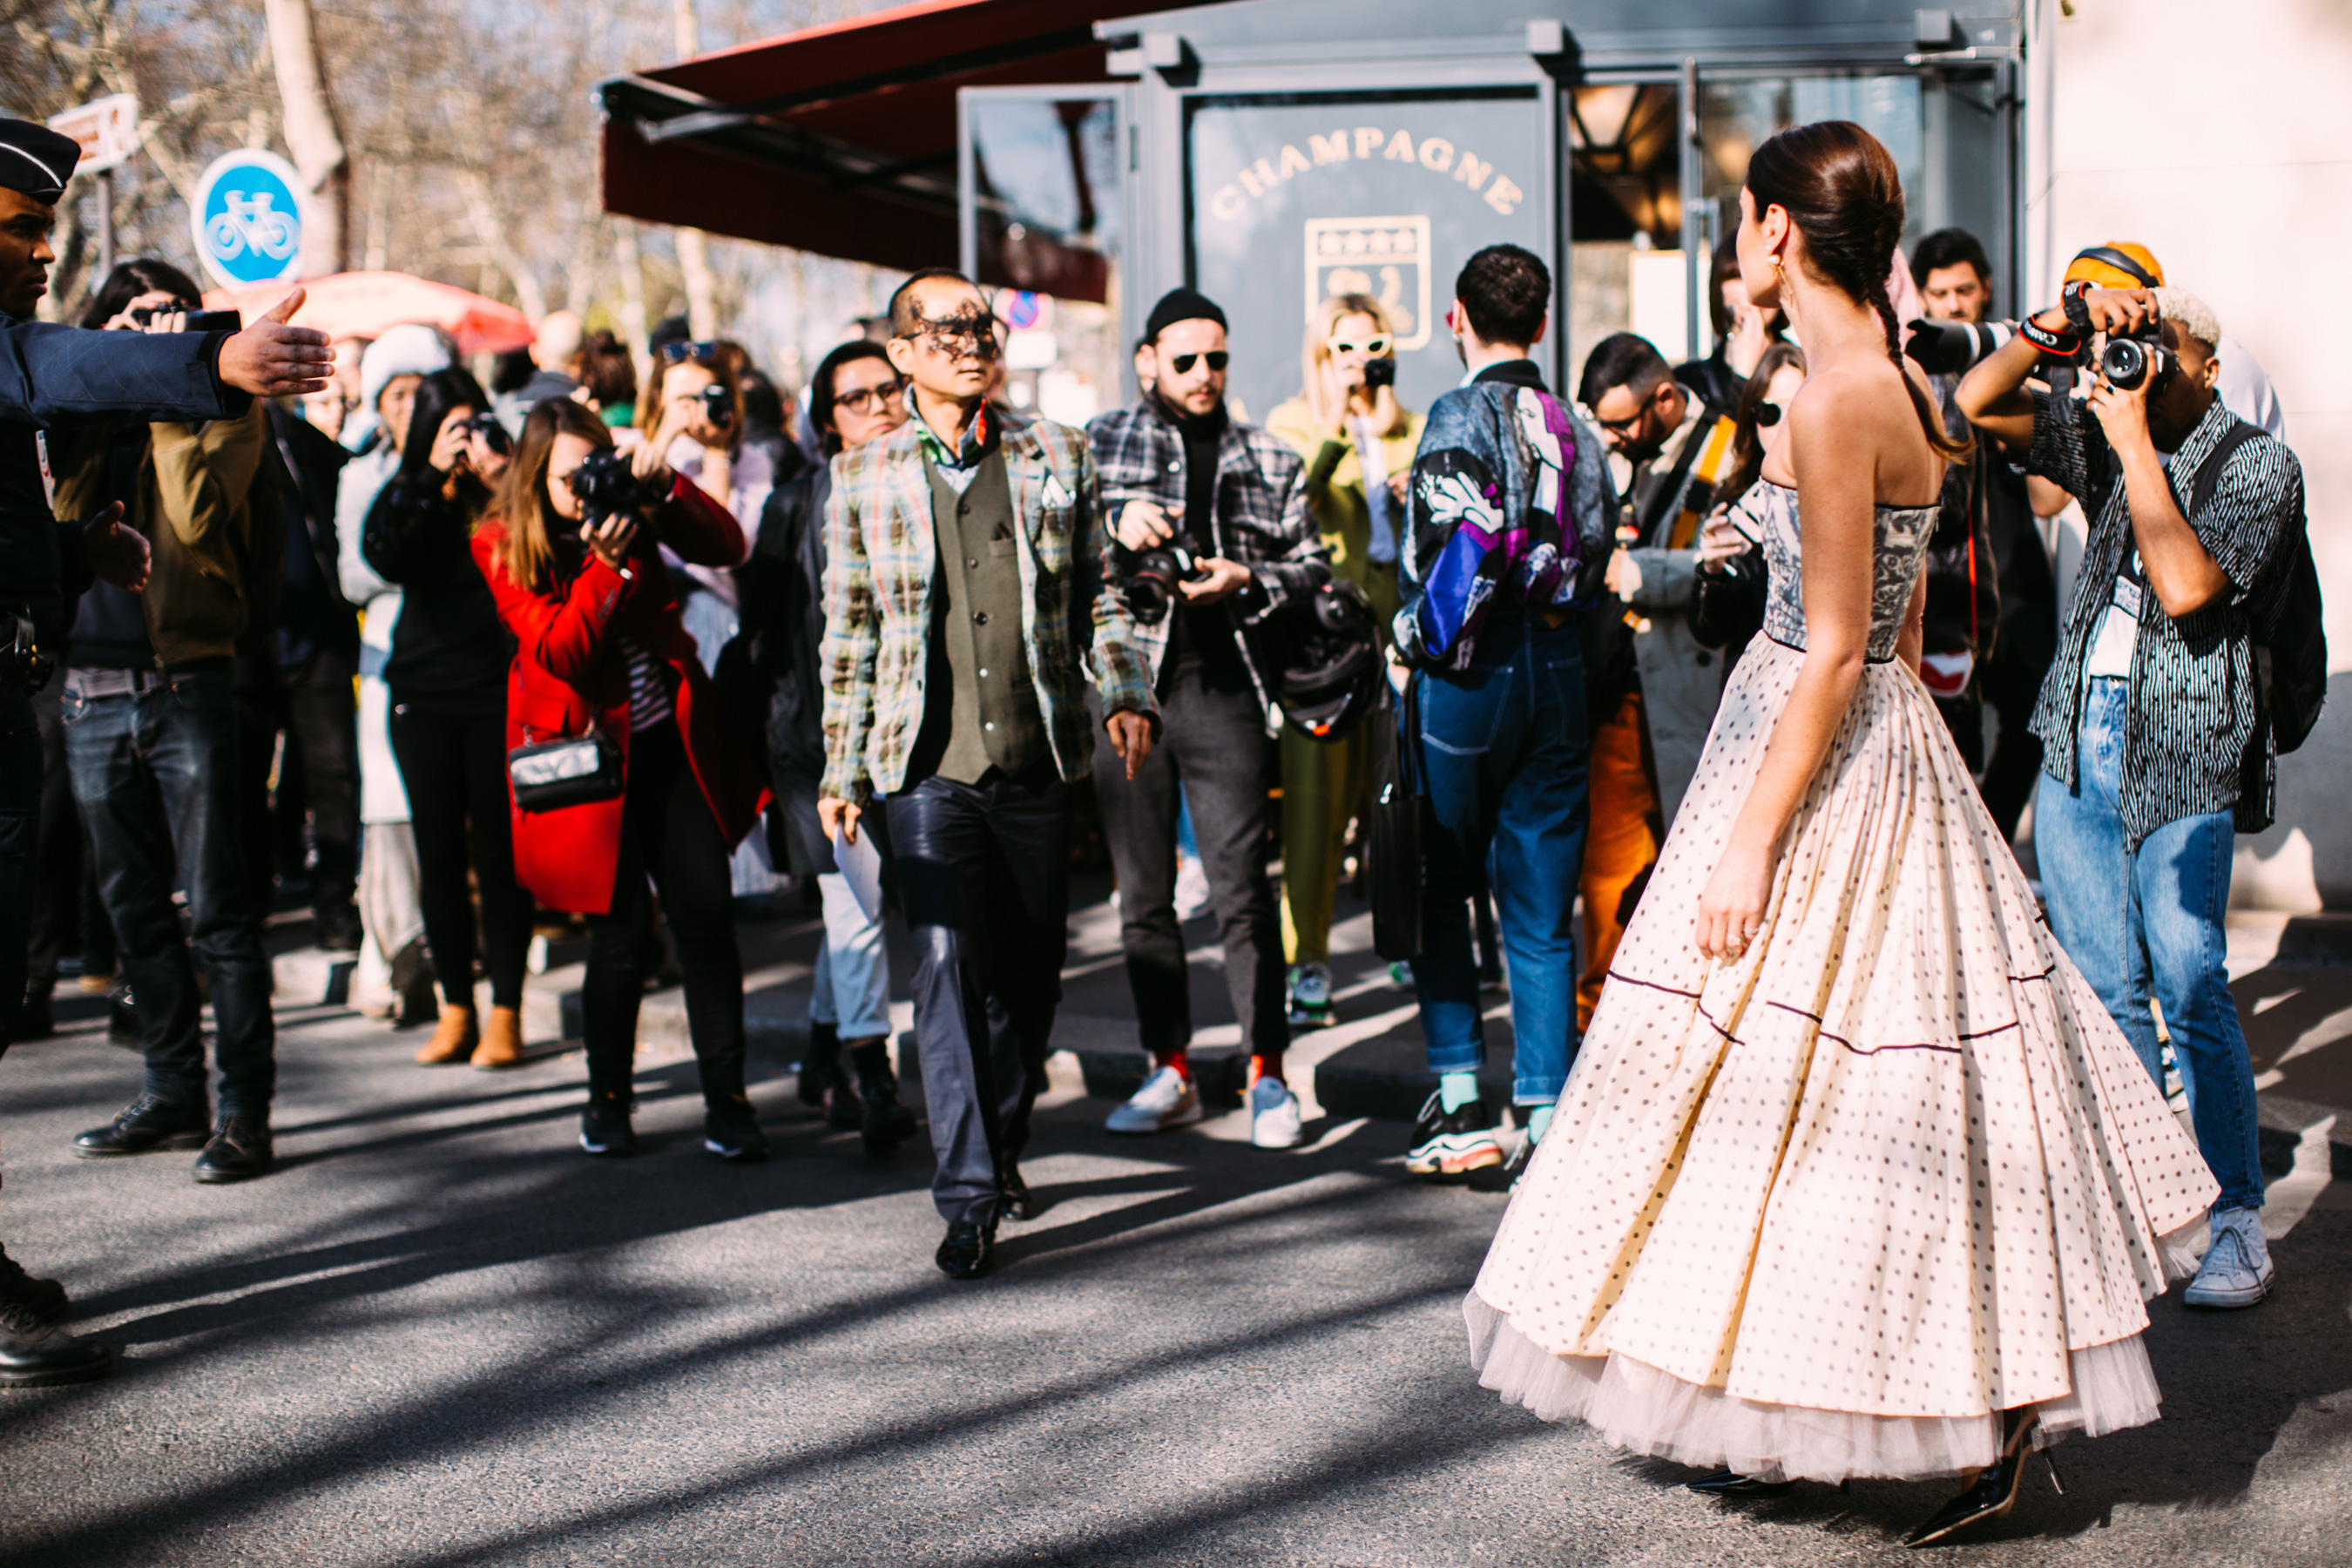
(1392, 829)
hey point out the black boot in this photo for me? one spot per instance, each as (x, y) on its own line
(884, 1123)
(241, 1149)
(147, 1123)
(817, 1063)
(32, 1356)
(40, 1302)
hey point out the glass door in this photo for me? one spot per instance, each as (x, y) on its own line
(1627, 270)
(1045, 188)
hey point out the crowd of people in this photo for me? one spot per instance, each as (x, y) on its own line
(1712, 650)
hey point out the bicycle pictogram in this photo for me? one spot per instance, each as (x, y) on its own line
(252, 222)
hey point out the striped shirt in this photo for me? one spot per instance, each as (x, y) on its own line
(2196, 739)
(649, 698)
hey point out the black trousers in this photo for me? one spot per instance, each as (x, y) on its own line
(2012, 684)
(59, 878)
(455, 766)
(984, 878)
(1212, 749)
(20, 815)
(312, 705)
(668, 833)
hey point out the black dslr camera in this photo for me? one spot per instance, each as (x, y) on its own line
(718, 406)
(199, 319)
(606, 485)
(1149, 578)
(1948, 348)
(1379, 373)
(493, 434)
(2126, 361)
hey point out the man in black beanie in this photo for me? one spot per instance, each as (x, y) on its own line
(1228, 501)
(50, 373)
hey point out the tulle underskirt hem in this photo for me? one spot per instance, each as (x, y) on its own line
(1643, 1410)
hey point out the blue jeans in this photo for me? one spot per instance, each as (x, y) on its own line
(2150, 920)
(1504, 752)
(155, 775)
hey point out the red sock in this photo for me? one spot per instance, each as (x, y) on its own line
(1180, 1059)
(1263, 1065)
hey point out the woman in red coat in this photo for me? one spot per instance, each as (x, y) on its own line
(599, 643)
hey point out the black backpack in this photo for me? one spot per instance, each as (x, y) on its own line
(2291, 652)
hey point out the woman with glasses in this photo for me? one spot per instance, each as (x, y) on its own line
(1358, 442)
(1728, 592)
(855, 397)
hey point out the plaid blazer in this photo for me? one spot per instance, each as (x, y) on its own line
(1261, 517)
(881, 558)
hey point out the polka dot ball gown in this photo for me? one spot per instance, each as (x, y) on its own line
(1827, 1209)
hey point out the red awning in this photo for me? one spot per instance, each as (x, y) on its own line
(841, 139)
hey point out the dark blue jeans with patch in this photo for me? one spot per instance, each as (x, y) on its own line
(155, 775)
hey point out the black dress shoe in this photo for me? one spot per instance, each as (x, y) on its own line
(1989, 1496)
(240, 1151)
(604, 1129)
(1731, 1483)
(1014, 1201)
(29, 1301)
(34, 1020)
(730, 1131)
(44, 1357)
(968, 1252)
(147, 1123)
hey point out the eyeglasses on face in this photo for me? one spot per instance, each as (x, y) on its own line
(867, 399)
(1375, 347)
(681, 351)
(1218, 358)
(1621, 426)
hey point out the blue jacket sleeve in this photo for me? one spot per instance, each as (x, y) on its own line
(49, 373)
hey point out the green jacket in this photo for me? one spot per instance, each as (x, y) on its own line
(1335, 497)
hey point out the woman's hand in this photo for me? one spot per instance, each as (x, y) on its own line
(1731, 909)
(164, 322)
(610, 539)
(452, 447)
(1720, 540)
(484, 458)
(645, 455)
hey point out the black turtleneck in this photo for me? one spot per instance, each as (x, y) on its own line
(1201, 644)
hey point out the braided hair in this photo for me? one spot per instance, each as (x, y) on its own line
(1838, 184)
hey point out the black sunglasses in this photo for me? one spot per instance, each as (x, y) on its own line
(1218, 358)
(678, 352)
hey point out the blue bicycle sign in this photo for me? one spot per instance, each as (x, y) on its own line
(248, 218)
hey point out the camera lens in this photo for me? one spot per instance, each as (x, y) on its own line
(2124, 362)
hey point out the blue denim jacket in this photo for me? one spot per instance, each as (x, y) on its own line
(1489, 530)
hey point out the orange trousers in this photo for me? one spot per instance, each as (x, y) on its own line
(1619, 848)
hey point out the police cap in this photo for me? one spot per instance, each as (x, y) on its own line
(36, 160)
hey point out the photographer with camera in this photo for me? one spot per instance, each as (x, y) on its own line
(2156, 723)
(1358, 442)
(620, 761)
(1213, 540)
(446, 676)
(50, 374)
(692, 413)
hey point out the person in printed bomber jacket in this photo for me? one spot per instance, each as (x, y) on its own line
(1510, 538)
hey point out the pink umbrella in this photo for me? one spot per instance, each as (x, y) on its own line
(362, 304)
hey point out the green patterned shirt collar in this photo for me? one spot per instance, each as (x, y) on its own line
(979, 440)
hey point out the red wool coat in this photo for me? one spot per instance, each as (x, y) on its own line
(566, 675)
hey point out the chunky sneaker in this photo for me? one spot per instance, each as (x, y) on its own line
(1166, 1099)
(1274, 1115)
(1453, 1142)
(1310, 996)
(604, 1126)
(730, 1131)
(2237, 1270)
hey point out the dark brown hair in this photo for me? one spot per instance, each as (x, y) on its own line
(1838, 184)
(1746, 445)
(527, 552)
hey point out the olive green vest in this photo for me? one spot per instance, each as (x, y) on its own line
(993, 716)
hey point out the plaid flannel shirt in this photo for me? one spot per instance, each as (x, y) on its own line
(1261, 518)
(881, 560)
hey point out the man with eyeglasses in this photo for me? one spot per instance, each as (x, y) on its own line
(963, 584)
(1177, 471)
(1650, 684)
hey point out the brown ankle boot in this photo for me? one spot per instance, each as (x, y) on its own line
(501, 1044)
(454, 1040)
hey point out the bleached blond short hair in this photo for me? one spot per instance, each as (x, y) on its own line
(2190, 316)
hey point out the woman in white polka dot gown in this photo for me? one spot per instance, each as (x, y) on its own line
(1853, 1175)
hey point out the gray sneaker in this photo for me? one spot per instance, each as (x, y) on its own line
(2237, 1270)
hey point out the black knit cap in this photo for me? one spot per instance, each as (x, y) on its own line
(1180, 305)
(36, 160)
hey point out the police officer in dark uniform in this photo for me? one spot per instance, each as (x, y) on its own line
(48, 375)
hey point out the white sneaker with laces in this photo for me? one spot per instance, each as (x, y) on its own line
(1274, 1116)
(2237, 1270)
(1192, 889)
(1166, 1099)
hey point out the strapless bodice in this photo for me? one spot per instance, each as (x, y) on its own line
(1900, 538)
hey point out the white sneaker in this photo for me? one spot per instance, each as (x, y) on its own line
(2237, 1271)
(1192, 889)
(1310, 996)
(1166, 1099)
(1274, 1116)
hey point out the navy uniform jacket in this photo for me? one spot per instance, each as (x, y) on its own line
(52, 374)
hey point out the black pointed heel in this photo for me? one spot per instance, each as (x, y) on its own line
(1993, 1492)
(1731, 1483)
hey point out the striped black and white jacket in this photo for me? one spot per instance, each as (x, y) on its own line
(2196, 741)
